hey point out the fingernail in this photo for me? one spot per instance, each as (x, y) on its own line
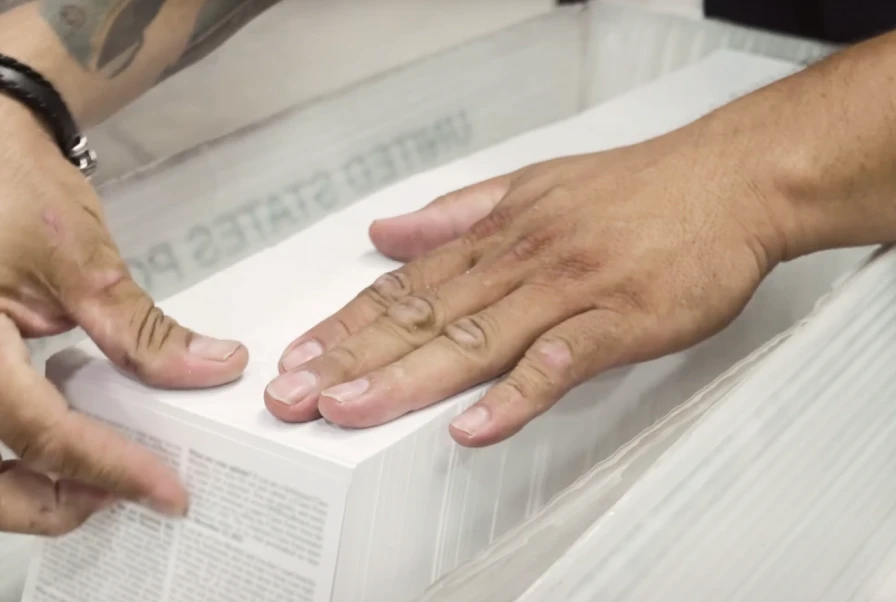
(301, 354)
(349, 391)
(215, 350)
(471, 421)
(292, 387)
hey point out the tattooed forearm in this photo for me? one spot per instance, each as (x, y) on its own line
(6, 5)
(123, 47)
(105, 36)
(102, 35)
(217, 21)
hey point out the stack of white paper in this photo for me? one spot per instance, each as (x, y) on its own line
(518, 559)
(314, 513)
(784, 490)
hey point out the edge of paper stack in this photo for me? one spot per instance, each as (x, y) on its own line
(775, 482)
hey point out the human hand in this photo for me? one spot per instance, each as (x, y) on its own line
(554, 273)
(59, 268)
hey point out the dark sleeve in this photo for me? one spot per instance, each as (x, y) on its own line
(841, 21)
(854, 20)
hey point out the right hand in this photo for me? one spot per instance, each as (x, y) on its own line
(59, 268)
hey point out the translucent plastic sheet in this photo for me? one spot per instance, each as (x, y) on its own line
(628, 46)
(783, 490)
(773, 483)
(297, 52)
(516, 560)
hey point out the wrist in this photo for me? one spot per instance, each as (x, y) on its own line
(827, 196)
(25, 37)
(30, 88)
(19, 124)
(28, 140)
(728, 165)
(801, 192)
(820, 146)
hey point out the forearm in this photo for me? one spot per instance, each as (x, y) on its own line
(820, 148)
(102, 54)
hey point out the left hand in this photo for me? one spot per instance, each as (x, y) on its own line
(556, 273)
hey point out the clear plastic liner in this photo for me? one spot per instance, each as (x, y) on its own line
(541, 559)
(782, 489)
(515, 560)
(525, 554)
(629, 47)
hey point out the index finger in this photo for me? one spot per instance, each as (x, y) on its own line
(47, 435)
(431, 270)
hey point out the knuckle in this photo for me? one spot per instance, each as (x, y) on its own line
(559, 193)
(388, 288)
(43, 449)
(492, 224)
(93, 276)
(530, 245)
(555, 350)
(533, 174)
(473, 334)
(52, 520)
(574, 267)
(446, 199)
(415, 313)
(93, 251)
(523, 393)
(625, 300)
(107, 473)
(532, 376)
(471, 247)
(342, 325)
(532, 386)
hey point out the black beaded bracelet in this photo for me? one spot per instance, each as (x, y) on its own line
(32, 89)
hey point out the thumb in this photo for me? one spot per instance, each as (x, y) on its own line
(90, 280)
(96, 289)
(137, 336)
(410, 235)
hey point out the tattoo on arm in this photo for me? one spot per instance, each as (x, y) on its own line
(7, 5)
(104, 36)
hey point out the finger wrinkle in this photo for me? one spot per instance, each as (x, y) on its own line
(530, 245)
(507, 394)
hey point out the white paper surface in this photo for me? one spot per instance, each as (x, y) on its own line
(277, 520)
